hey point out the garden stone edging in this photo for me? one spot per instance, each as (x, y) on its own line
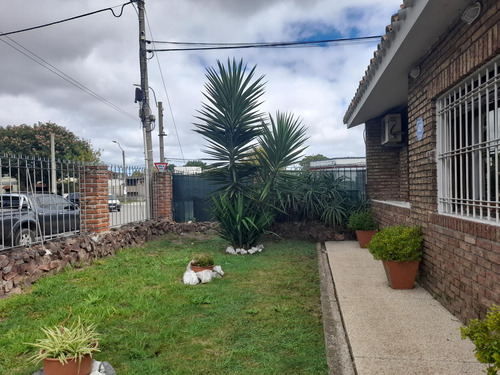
(239, 251)
(193, 278)
(20, 267)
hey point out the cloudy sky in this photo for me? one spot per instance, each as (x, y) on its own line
(100, 52)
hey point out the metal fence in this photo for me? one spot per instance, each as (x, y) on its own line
(192, 197)
(192, 192)
(40, 200)
(32, 203)
(128, 195)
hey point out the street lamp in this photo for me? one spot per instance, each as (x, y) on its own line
(124, 172)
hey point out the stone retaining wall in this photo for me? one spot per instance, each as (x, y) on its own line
(20, 267)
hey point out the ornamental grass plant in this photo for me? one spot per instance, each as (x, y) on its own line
(66, 342)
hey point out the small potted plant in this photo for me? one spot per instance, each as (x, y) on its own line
(400, 249)
(484, 334)
(67, 350)
(365, 226)
(201, 262)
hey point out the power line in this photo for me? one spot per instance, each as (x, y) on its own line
(39, 60)
(71, 19)
(223, 46)
(166, 92)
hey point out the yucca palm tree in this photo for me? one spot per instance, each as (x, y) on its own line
(250, 156)
(231, 122)
(281, 145)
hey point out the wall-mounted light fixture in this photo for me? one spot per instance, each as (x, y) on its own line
(415, 72)
(471, 13)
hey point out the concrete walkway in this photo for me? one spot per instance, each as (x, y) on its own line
(394, 332)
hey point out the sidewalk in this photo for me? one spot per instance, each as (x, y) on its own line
(394, 332)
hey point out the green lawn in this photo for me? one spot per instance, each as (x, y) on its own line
(263, 317)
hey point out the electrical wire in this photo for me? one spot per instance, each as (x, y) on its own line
(39, 60)
(166, 91)
(223, 46)
(71, 19)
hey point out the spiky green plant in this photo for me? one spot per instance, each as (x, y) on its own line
(282, 143)
(63, 343)
(242, 221)
(232, 125)
(231, 122)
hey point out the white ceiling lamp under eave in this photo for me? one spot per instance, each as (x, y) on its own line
(471, 13)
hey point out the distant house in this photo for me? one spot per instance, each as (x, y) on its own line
(338, 163)
(430, 103)
(188, 170)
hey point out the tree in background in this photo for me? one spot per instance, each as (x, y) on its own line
(305, 163)
(196, 163)
(26, 140)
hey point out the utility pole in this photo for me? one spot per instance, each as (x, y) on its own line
(160, 131)
(145, 112)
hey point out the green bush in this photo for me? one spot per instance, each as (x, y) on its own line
(398, 243)
(203, 260)
(362, 220)
(485, 334)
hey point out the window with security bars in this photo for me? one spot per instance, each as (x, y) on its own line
(468, 141)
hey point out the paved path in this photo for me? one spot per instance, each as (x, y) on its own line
(394, 332)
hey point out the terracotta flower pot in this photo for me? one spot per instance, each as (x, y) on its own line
(364, 237)
(52, 366)
(401, 275)
(199, 269)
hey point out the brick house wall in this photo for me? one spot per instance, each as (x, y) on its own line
(386, 168)
(461, 265)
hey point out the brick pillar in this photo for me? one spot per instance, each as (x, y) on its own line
(162, 195)
(94, 199)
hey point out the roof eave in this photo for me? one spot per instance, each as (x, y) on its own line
(412, 32)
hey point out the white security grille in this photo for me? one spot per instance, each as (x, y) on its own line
(468, 140)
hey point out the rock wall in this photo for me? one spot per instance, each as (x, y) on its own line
(20, 267)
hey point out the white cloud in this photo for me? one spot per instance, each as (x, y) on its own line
(101, 52)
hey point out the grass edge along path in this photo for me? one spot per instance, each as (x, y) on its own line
(263, 317)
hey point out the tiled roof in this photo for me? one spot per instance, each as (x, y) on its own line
(378, 56)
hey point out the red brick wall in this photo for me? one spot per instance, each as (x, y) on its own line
(94, 208)
(162, 196)
(461, 265)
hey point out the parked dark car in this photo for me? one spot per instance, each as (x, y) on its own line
(29, 217)
(74, 198)
(113, 203)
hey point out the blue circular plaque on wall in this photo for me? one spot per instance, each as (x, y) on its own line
(420, 128)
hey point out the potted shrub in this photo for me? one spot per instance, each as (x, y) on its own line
(400, 249)
(201, 262)
(365, 226)
(484, 334)
(67, 350)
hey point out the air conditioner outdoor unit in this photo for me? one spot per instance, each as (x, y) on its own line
(391, 130)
